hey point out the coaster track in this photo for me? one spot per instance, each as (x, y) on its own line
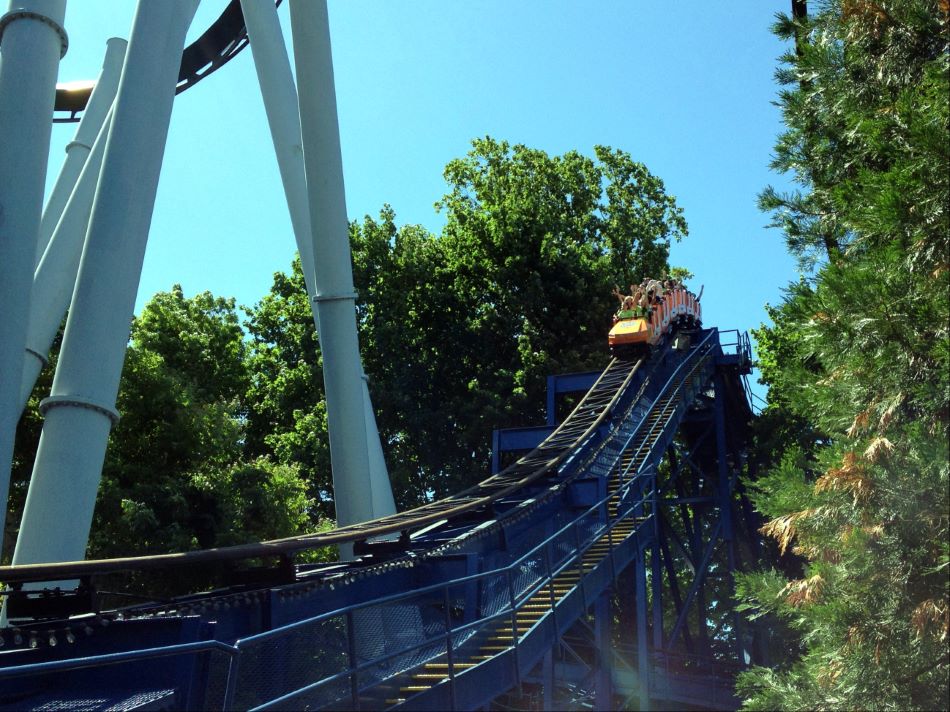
(469, 600)
(544, 460)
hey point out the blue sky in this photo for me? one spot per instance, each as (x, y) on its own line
(685, 87)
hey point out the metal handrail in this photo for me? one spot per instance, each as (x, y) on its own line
(674, 382)
(515, 604)
(700, 350)
(203, 646)
(471, 578)
(392, 598)
(509, 612)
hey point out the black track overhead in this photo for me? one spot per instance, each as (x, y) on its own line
(219, 44)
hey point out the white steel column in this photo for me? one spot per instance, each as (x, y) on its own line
(55, 275)
(280, 103)
(381, 489)
(32, 40)
(334, 296)
(81, 409)
(77, 150)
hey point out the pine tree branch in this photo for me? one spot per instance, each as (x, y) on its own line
(926, 668)
(799, 14)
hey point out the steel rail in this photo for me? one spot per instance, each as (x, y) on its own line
(217, 46)
(463, 502)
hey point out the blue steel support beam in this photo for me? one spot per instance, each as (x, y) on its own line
(643, 653)
(488, 564)
(724, 494)
(694, 588)
(548, 677)
(700, 573)
(602, 678)
(495, 452)
(656, 583)
(566, 383)
(516, 439)
(674, 591)
(681, 546)
(681, 459)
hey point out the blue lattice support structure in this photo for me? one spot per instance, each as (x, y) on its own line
(486, 592)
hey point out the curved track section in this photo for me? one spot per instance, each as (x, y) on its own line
(217, 46)
(460, 609)
(544, 461)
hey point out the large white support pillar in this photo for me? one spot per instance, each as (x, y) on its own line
(55, 276)
(32, 40)
(280, 102)
(335, 296)
(77, 150)
(81, 409)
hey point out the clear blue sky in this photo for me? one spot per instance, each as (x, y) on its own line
(685, 87)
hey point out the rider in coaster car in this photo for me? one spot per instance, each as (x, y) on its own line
(628, 309)
(628, 305)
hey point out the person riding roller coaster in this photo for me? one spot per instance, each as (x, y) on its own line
(631, 306)
(649, 314)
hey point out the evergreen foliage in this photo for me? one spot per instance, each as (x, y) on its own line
(854, 439)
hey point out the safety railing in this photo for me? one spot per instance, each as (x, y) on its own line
(344, 659)
(597, 454)
(633, 412)
(735, 342)
(338, 637)
(213, 656)
(503, 592)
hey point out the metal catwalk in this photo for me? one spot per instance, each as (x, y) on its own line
(632, 502)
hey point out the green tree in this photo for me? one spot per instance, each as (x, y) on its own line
(858, 364)
(286, 407)
(535, 243)
(459, 330)
(411, 340)
(175, 476)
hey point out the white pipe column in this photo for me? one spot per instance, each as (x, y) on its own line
(335, 295)
(381, 489)
(280, 102)
(55, 275)
(81, 409)
(77, 150)
(32, 39)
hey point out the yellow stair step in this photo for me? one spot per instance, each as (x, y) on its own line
(445, 666)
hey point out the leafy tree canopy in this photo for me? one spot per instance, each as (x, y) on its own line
(458, 330)
(175, 476)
